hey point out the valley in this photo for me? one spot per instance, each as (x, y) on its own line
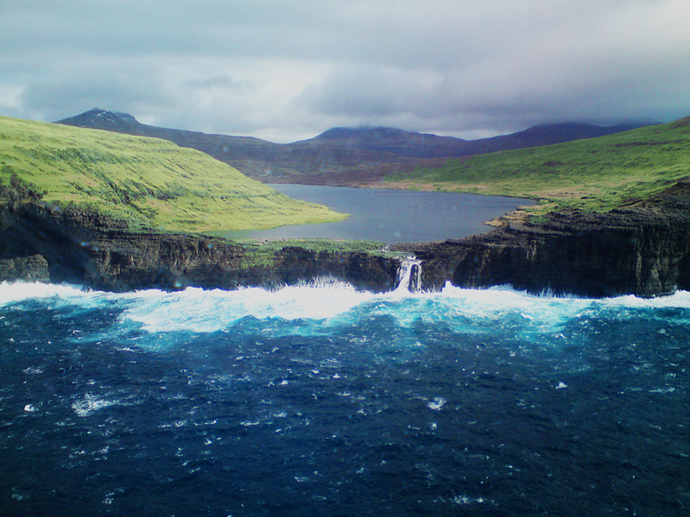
(341, 156)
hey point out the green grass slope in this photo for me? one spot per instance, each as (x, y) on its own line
(148, 182)
(597, 174)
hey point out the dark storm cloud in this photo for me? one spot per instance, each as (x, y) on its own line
(288, 70)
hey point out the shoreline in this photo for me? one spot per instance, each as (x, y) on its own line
(642, 249)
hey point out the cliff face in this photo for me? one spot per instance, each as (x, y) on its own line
(123, 262)
(40, 243)
(29, 269)
(642, 249)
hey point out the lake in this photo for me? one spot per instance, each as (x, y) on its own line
(392, 216)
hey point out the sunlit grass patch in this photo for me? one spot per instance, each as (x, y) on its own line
(145, 181)
(596, 174)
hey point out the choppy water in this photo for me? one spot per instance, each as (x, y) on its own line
(326, 401)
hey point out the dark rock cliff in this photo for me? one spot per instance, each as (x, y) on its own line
(39, 242)
(642, 249)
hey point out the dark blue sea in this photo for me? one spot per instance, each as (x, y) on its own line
(319, 400)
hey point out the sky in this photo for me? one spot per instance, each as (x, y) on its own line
(286, 70)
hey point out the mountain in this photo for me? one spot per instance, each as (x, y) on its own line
(420, 145)
(390, 140)
(149, 183)
(218, 146)
(538, 136)
(339, 155)
(254, 157)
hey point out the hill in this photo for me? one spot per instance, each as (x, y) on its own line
(339, 155)
(148, 182)
(389, 140)
(596, 174)
(420, 145)
(253, 157)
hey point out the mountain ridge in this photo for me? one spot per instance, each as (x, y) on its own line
(338, 152)
(381, 138)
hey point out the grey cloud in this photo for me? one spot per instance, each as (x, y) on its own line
(574, 69)
(63, 90)
(287, 69)
(367, 91)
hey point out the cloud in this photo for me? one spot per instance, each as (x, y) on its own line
(289, 70)
(606, 65)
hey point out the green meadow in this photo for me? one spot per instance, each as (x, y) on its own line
(148, 182)
(597, 174)
(263, 252)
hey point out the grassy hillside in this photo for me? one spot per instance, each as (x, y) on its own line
(149, 182)
(597, 174)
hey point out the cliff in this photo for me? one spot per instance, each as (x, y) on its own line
(40, 242)
(641, 249)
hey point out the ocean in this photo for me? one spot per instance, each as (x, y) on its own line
(319, 400)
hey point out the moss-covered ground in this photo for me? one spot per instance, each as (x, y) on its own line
(262, 252)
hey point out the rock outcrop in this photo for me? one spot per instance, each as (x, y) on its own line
(641, 249)
(29, 269)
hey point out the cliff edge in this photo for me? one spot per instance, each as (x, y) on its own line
(641, 249)
(43, 243)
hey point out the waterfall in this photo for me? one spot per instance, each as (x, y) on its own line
(410, 275)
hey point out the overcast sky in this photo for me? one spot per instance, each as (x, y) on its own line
(287, 70)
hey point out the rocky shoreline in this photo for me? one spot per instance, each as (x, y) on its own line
(642, 249)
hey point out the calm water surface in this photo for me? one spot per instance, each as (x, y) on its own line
(393, 216)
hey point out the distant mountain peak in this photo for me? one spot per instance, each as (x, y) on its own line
(114, 115)
(363, 131)
(99, 117)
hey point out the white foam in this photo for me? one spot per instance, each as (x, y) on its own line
(437, 403)
(466, 500)
(679, 299)
(89, 404)
(208, 311)
(474, 310)
(13, 292)
(335, 303)
(60, 294)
